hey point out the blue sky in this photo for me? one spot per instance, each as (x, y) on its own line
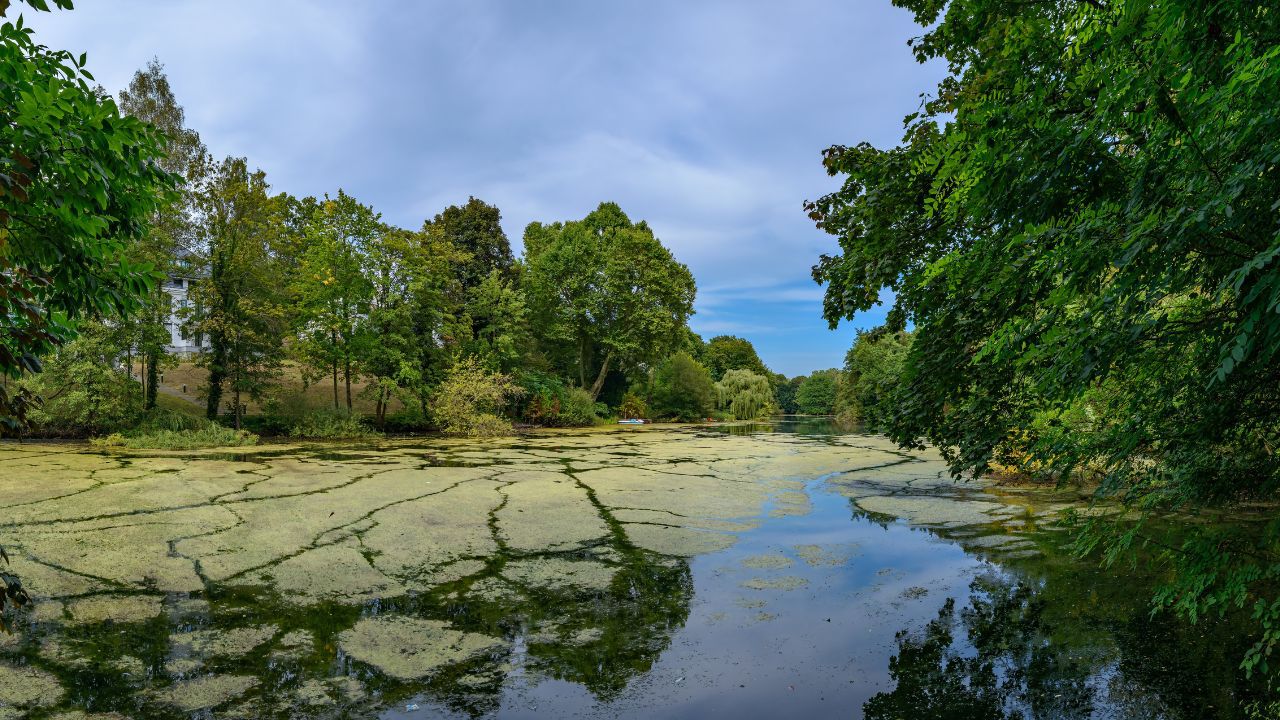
(707, 119)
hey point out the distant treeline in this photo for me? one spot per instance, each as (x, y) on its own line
(434, 327)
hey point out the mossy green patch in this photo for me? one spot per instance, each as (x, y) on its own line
(411, 648)
(790, 582)
(772, 561)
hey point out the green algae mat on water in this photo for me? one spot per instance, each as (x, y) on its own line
(640, 572)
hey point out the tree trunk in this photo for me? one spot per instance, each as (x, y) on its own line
(216, 376)
(582, 361)
(335, 383)
(599, 383)
(237, 413)
(346, 378)
(153, 380)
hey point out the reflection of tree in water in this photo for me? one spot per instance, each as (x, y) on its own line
(1023, 650)
(633, 623)
(1008, 668)
(598, 638)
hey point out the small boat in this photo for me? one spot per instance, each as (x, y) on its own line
(631, 421)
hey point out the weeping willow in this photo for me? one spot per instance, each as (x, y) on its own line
(745, 394)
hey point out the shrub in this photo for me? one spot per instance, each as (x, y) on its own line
(331, 425)
(82, 390)
(745, 394)
(172, 420)
(209, 436)
(577, 409)
(682, 389)
(633, 406)
(470, 398)
(407, 420)
(545, 400)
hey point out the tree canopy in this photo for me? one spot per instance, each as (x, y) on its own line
(817, 394)
(728, 352)
(1081, 224)
(78, 184)
(606, 293)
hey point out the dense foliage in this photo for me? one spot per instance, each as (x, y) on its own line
(817, 394)
(727, 352)
(1081, 224)
(873, 370)
(605, 293)
(683, 389)
(745, 395)
(78, 183)
(471, 399)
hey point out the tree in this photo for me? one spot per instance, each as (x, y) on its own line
(500, 322)
(784, 393)
(1082, 223)
(82, 390)
(150, 99)
(239, 305)
(607, 290)
(745, 395)
(873, 372)
(727, 352)
(683, 389)
(333, 287)
(78, 183)
(817, 394)
(476, 230)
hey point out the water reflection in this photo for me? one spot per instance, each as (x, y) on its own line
(818, 608)
(1024, 648)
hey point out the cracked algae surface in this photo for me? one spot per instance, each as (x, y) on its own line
(410, 648)
(346, 579)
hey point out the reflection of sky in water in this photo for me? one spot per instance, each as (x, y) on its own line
(824, 649)
(819, 611)
(727, 660)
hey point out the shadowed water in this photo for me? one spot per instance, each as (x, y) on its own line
(768, 571)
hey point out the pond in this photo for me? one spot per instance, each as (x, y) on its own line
(769, 571)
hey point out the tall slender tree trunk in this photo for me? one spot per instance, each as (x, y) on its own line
(582, 361)
(346, 379)
(598, 385)
(153, 380)
(335, 379)
(237, 398)
(217, 374)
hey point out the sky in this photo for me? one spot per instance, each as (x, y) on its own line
(707, 119)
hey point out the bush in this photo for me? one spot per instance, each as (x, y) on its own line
(407, 420)
(172, 420)
(577, 409)
(83, 392)
(633, 406)
(682, 389)
(545, 400)
(745, 394)
(331, 425)
(211, 435)
(468, 401)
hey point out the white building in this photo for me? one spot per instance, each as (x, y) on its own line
(179, 342)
